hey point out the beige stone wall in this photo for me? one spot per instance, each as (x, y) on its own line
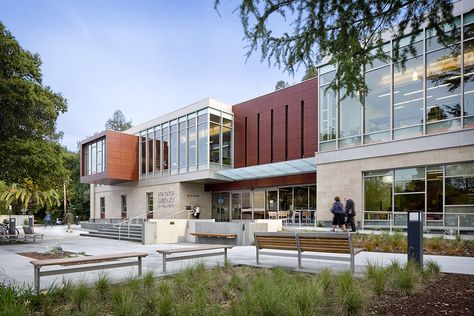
(169, 200)
(345, 178)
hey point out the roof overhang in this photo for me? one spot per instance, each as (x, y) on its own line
(277, 169)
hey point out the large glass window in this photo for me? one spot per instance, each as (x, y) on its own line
(157, 149)
(377, 105)
(174, 147)
(123, 204)
(214, 143)
(192, 147)
(408, 98)
(469, 82)
(149, 203)
(203, 142)
(150, 150)
(226, 146)
(349, 125)
(448, 198)
(327, 109)
(378, 199)
(182, 149)
(166, 142)
(94, 157)
(102, 207)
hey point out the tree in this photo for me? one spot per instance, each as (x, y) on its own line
(311, 72)
(28, 195)
(28, 113)
(346, 33)
(281, 85)
(118, 122)
(27, 108)
(77, 193)
(32, 158)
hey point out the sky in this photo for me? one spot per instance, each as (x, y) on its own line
(143, 57)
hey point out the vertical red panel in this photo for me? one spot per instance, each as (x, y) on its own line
(277, 100)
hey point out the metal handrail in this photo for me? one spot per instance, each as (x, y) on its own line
(119, 225)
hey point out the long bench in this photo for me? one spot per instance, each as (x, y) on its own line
(38, 264)
(218, 250)
(214, 235)
(319, 243)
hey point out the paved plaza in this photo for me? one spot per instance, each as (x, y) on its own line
(17, 270)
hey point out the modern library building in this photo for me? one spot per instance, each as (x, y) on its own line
(287, 154)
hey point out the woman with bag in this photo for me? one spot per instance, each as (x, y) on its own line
(338, 210)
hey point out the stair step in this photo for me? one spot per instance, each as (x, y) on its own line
(116, 233)
(112, 237)
(122, 230)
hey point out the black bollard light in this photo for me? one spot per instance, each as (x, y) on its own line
(12, 230)
(415, 236)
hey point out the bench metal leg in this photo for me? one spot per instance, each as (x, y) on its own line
(37, 279)
(352, 263)
(139, 266)
(164, 263)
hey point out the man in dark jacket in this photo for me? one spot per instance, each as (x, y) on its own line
(350, 214)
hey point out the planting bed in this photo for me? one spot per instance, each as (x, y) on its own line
(452, 294)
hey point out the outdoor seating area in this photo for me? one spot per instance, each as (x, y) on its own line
(203, 251)
(84, 264)
(324, 244)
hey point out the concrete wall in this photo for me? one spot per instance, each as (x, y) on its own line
(345, 178)
(19, 218)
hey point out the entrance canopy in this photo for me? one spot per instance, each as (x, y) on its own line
(276, 169)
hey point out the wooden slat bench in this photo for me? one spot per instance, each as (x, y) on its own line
(219, 250)
(38, 264)
(323, 243)
(213, 235)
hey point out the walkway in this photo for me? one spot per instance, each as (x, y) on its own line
(16, 269)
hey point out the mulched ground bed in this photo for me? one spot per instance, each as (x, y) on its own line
(452, 294)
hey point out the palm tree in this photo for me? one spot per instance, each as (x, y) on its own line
(29, 196)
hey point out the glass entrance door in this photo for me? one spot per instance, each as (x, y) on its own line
(236, 206)
(221, 206)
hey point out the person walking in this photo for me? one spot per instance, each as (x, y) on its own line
(338, 210)
(47, 220)
(69, 220)
(350, 214)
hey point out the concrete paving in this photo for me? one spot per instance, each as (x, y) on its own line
(17, 270)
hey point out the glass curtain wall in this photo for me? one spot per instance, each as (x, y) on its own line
(197, 141)
(445, 193)
(432, 92)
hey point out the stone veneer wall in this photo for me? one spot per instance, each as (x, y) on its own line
(168, 199)
(345, 178)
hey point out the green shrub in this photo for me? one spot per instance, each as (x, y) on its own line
(349, 294)
(406, 279)
(431, 269)
(309, 299)
(80, 294)
(102, 285)
(325, 278)
(125, 303)
(377, 276)
(149, 278)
